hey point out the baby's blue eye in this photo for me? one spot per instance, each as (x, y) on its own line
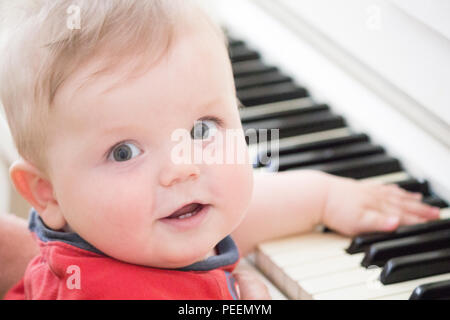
(123, 152)
(203, 129)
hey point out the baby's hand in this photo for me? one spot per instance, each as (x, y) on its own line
(250, 287)
(354, 207)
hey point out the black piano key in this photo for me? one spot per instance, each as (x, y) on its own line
(361, 242)
(271, 93)
(379, 253)
(297, 124)
(242, 53)
(414, 185)
(439, 290)
(284, 113)
(285, 162)
(261, 80)
(435, 201)
(233, 42)
(416, 266)
(303, 147)
(360, 168)
(251, 67)
(328, 143)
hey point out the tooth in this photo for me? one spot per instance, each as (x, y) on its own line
(186, 215)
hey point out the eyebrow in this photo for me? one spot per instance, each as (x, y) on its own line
(204, 107)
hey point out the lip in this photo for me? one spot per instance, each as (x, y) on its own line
(190, 222)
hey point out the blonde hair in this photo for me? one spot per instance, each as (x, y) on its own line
(43, 49)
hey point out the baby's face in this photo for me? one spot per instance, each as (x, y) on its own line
(111, 161)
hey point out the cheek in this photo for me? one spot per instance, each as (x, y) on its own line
(232, 190)
(107, 205)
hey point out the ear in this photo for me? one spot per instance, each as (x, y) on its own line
(34, 187)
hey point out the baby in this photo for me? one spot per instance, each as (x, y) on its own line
(93, 106)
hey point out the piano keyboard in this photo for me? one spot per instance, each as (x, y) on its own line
(410, 263)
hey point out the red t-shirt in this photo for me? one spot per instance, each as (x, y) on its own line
(70, 268)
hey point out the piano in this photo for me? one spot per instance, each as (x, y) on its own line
(358, 89)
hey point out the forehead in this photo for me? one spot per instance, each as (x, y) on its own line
(194, 68)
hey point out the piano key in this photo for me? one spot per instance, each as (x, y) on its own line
(416, 266)
(300, 242)
(240, 53)
(374, 289)
(388, 178)
(379, 253)
(435, 201)
(313, 260)
(255, 150)
(285, 162)
(328, 143)
(353, 277)
(296, 124)
(251, 67)
(313, 109)
(233, 42)
(261, 80)
(272, 257)
(316, 268)
(363, 241)
(398, 296)
(269, 110)
(264, 153)
(414, 185)
(271, 93)
(434, 290)
(359, 168)
(308, 251)
(314, 137)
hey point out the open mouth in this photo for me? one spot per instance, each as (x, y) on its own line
(187, 211)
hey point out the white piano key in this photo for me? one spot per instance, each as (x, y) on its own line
(445, 213)
(299, 242)
(314, 269)
(340, 280)
(310, 254)
(375, 289)
(317, 258)
(271, 108)
(324, 266)
(399, 296)
(314, 137)
(388, 178)
(273, 256)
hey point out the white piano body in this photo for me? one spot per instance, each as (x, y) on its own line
(385, 66)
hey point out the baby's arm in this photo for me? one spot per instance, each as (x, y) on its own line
(295, 201)
(17, 248)
(283, 203)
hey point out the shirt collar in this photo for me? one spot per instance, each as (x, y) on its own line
(228, 253)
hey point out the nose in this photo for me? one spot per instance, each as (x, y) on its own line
(177, 173)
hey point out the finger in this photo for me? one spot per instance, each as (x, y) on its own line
(250, 287)
(408, 219)
(414, 207)
(375, 221)
(396, 191)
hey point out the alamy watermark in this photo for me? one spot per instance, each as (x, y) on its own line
(227, 148)
(74, 17)
(74, 280)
